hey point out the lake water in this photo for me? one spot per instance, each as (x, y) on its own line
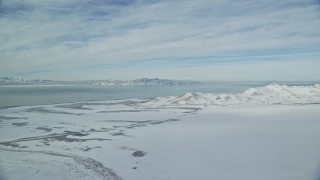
(36, 95)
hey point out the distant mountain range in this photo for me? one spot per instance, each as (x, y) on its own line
(10, 81)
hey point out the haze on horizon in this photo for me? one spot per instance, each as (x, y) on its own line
(182, 39)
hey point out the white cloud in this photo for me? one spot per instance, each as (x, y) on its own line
(59, 36)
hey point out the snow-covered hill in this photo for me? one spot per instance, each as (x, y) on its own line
(270, 94)
(5, 81)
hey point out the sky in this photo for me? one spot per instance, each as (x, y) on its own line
(173, 39)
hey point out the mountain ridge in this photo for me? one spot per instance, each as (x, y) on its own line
(270, 94)
(12, 81)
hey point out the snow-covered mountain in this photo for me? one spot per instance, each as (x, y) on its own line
(270, 94)
(20, 81)
(137, 82)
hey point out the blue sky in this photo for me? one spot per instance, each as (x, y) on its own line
(174, 39)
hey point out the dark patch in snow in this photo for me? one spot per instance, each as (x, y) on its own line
(164, 121)
(11, 118)
(20, 124)
(44, 129)
(58, 127)
(73, 133)
(139, 154)
(101, 130)
(134, 124)
(14, 145)
(121, 111)
(81, 104)
(121, 133)
(47, 111)
(53, 137)
(89, 148)
(75, 106)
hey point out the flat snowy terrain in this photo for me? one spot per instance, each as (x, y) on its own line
(265, 133)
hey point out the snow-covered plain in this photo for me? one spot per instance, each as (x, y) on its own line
(263, 133)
